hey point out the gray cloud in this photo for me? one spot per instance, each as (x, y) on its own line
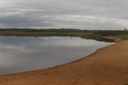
(82, 14)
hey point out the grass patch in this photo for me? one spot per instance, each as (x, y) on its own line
(121, 34)
(122, 37)
(111, 32)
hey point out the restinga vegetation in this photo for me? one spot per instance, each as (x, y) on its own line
(88, 34)
(50, 32)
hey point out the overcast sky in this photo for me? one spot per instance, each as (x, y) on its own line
(79, 14)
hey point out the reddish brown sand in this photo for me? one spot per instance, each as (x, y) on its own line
(107, 66)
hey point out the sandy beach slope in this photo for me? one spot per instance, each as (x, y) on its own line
(107, 66)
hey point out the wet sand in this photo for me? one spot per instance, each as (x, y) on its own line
(106, 66)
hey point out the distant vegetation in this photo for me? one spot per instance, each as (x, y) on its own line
(42, 30)
(111, 32)
(50, 32)
(122, 34)
(88, 34)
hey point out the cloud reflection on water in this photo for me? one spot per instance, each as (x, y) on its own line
(19, 54)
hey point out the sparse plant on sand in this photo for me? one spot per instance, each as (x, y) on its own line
(125, 84)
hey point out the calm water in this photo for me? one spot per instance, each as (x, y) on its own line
(19, 54)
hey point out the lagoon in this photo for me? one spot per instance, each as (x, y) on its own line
(20, 54)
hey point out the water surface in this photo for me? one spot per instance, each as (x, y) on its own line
(19, 54)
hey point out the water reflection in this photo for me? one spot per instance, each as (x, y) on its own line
(19, 54)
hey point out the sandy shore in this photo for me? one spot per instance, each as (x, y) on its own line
(107, 66)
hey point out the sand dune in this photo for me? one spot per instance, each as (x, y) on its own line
(107, 66)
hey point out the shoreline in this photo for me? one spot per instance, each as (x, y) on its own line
(106, 66)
